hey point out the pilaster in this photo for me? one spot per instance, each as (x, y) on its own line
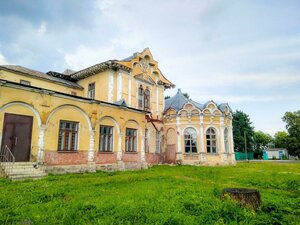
(41, 141)
(92, 146)
(110, 86)
(202, 152)
(179, 151)
(119, 86)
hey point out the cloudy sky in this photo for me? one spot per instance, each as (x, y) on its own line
(246, 53)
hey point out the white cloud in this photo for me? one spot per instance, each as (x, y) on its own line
(249, 98)
(42, 29)
(85, 56)
(3, 60)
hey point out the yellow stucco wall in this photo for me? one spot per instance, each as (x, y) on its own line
(14, 77)
(51, 109)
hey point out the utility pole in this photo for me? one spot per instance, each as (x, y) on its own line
(246, 145)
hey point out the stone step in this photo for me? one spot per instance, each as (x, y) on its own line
(25, 172)
(18, 163)
(16, 177)
(22, 169)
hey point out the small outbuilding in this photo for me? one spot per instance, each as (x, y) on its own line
(276, 153)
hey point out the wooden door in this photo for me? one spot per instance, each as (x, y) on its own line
(17, 135)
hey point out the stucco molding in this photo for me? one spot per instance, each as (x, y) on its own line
(26, 105)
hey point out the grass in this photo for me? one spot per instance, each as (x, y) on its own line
(159, 195)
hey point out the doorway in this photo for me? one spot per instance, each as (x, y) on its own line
(17, 130)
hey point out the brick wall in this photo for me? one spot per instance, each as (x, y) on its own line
(154, 158)
(105, 158)
(131, 157)
(65, 158)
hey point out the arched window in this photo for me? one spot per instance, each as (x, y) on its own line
(147, 99)
(211, 141)
(226, 140)
(140, 97)
(190, 140)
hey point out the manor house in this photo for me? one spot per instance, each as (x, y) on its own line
(112, 115)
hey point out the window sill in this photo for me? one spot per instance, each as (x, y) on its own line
(194, 153)
(131, 152)
(105, 152)
(67, 151)
(214, 154)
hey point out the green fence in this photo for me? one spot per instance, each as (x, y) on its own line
(242, 155)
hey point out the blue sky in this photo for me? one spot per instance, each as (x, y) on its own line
(246, 53)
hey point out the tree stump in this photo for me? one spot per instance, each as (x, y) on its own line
(246, 197)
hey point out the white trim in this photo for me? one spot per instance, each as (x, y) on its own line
(119, 86)
(156, 99)
(111, 119)
(110, 86)
(91, 130)
(119, 134)
(179, 151)
(129, 91)
(36, 113)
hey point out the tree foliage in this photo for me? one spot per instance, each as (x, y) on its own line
(241, 124)
(292, 120)
(281, 139)
(261, 140)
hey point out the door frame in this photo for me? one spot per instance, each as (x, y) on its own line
(30, 134)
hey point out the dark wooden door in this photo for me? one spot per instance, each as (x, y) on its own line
(17, 135)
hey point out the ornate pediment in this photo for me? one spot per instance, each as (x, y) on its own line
(143, 63)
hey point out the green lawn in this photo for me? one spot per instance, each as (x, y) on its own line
(160, 195)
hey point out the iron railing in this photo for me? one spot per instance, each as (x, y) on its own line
(7, 160)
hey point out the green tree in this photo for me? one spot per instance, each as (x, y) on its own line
(261, 140)
(281, 139)
(241, 124)
(292, 120)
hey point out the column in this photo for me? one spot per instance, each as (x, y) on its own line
(224, 156)
(202, 152)
(92, 145)
(41, 142)
(119, 152)
(179, 151)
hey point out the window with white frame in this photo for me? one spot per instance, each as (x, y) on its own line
(226, 140)
(211, 141)
(131, 140)
(106, 139)
(190, 140)
(91, 91)
(68, 136)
